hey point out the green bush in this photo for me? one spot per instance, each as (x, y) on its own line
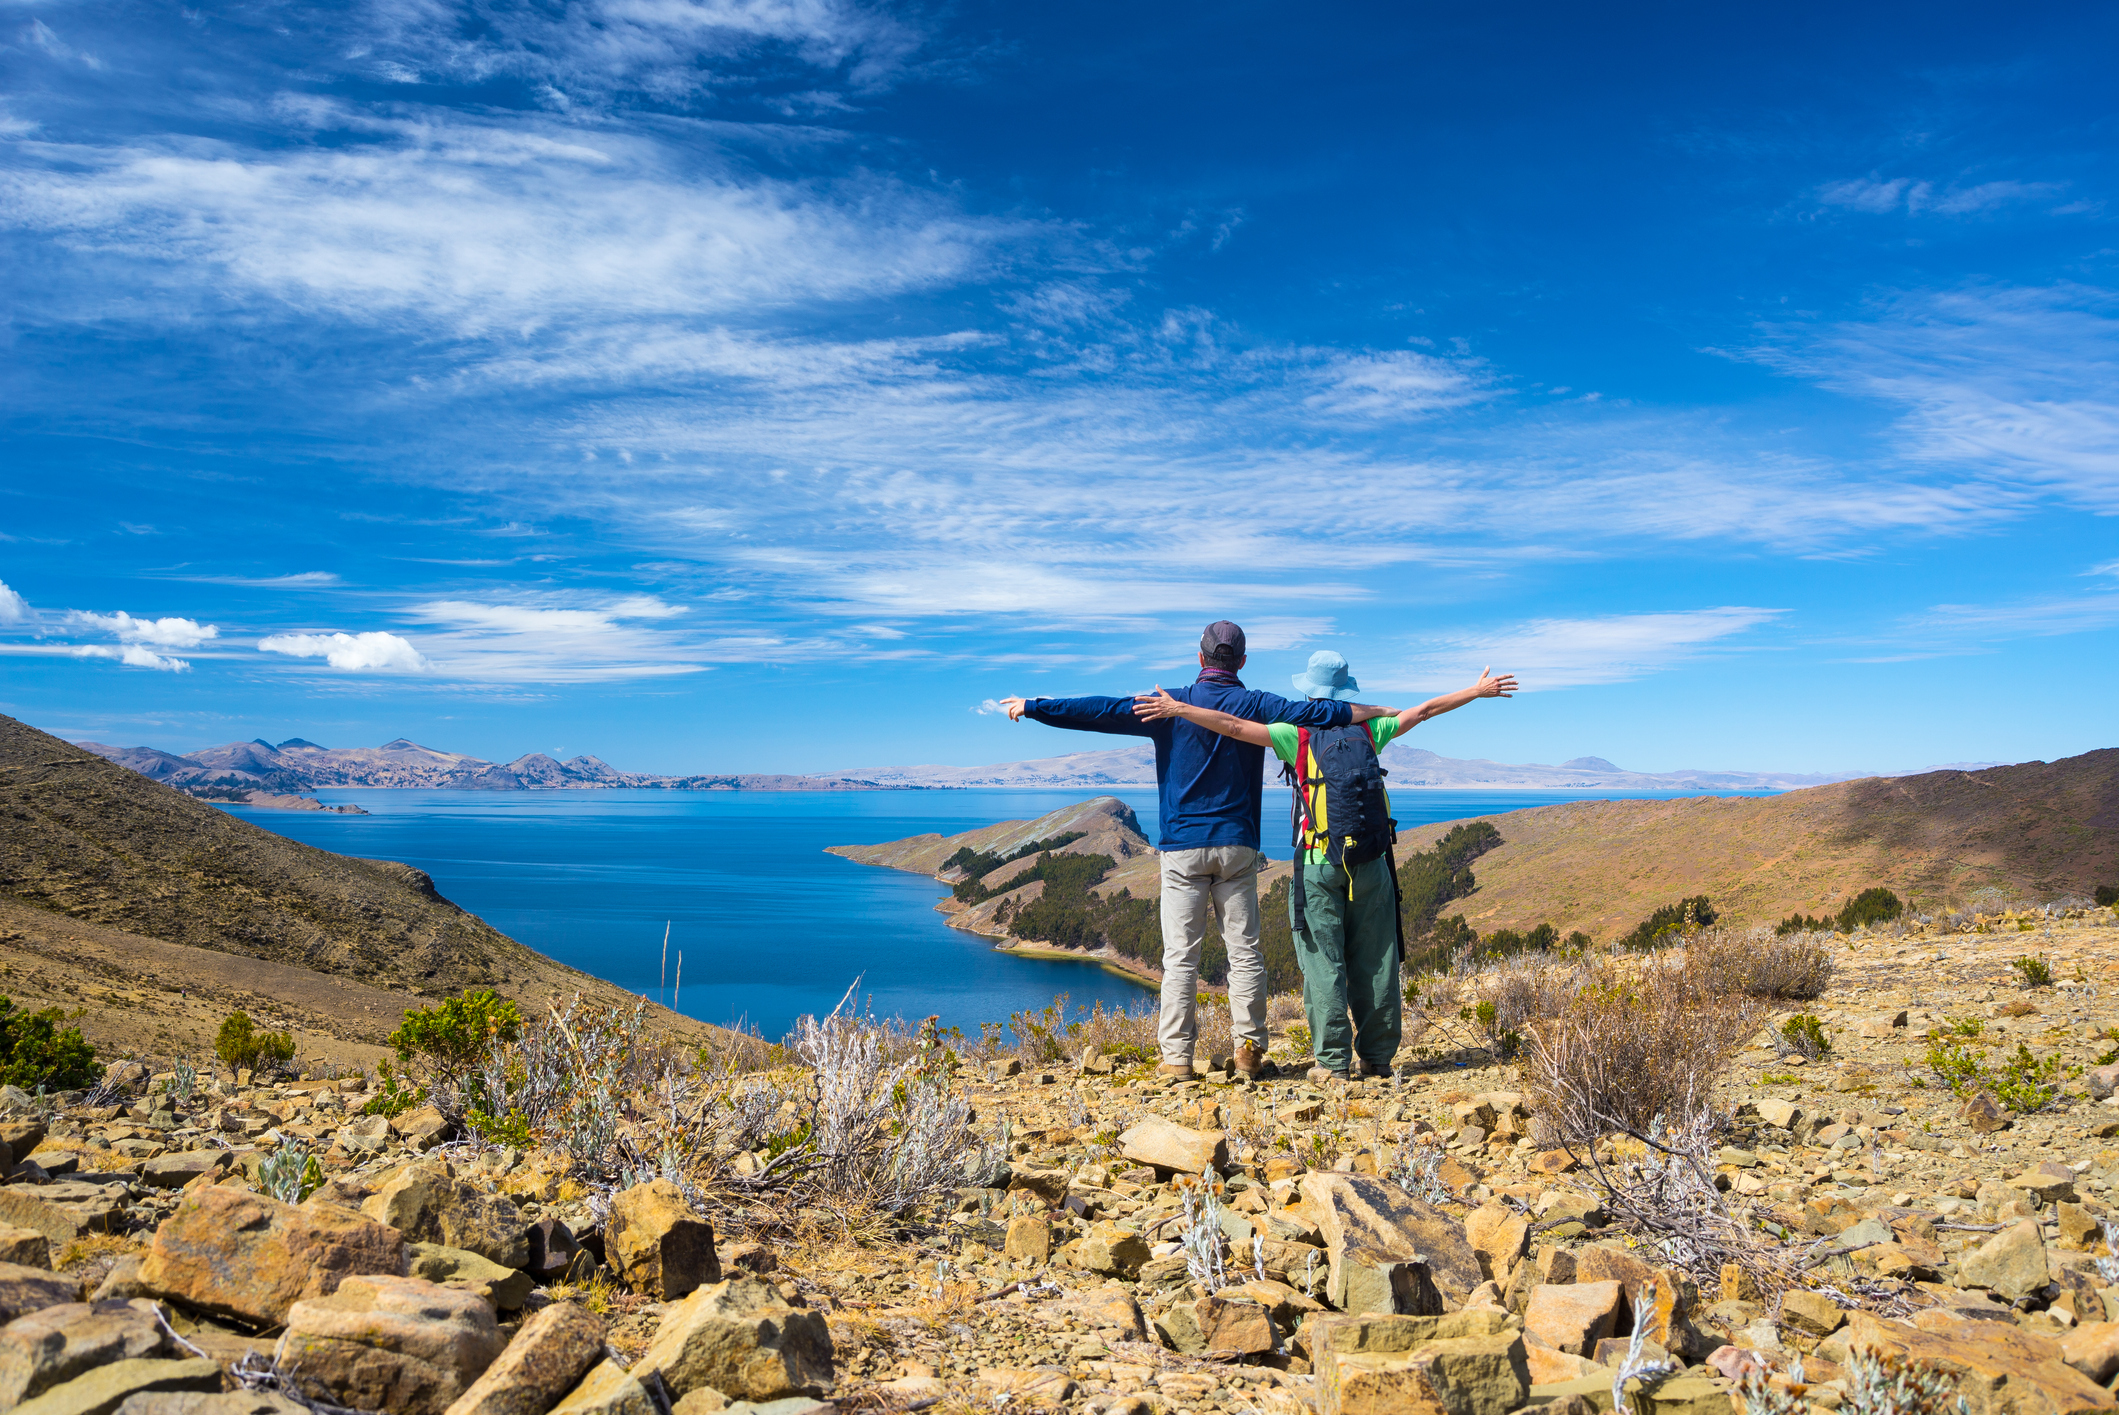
(2036, 972)
(395, 1098)
(242, 1047)
(2107, 895)
(1801, 924)
(1871, 906)
(35, 1050)
(1671, 923)
(452, 1040)
(1805, 1035)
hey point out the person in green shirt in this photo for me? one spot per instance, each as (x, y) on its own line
(1347, 942)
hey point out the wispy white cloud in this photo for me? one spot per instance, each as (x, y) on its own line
(171, 633)
(1879, 195)
(14, 609)
(1568, 653)
(370, 652)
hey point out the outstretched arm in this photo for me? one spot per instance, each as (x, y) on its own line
(1080, 714)
(1488, 686)
(1159, 705)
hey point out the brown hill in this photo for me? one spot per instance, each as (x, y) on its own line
(111, 881)
(2038, 829)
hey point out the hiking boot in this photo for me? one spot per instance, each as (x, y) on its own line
(1251, 1063)
(1171, 1071)
(1371, 1068)
(1321, 1074)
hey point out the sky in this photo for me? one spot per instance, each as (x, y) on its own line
(772, 385)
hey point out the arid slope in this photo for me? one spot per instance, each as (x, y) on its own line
(2041, 829)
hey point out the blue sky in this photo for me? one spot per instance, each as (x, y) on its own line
(768, 384)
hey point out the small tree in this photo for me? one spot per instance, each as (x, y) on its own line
(452, 1040)
(36, 1051)
(242, 1047)
(1872, 906)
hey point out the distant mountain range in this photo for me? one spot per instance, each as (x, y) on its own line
(296, 765)
(1408, 766)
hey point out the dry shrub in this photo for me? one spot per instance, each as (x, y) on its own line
(1633, 1046)
(1283, 1008)
(1759, 964)
(1217, 1029)
(1529, 990)
(1123, 1031)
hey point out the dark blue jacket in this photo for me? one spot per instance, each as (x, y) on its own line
(1210, 788)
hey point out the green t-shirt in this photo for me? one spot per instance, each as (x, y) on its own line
(1287, 739)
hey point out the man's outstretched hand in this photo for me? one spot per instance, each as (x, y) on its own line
(1014, 708)
(1153, 707)
(1489, 686)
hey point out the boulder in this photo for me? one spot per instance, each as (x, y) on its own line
(1467, 1363)
(24, 1290)
(1111, 1249)
(246, 1256)
(240, 1402)
(1999, 1368)
(607, 1390)
(1573, 1317)
(400, 1344)
(2011, 1263)
(1370, 1227)
(741, 1339)
(504, 1288)
(105, 1388)
(1173, 1148)
(2103, 1081)
(427, 1205)
(422, 1127)
(2048, 1182)
(48, 1348)
(1219, 1326)
(547, 1359)
(1029, 1239)
(24, 1247)
(2093, 1349)
(1985, 1114)
(1811, 1313)
(552, 1249)
(176, 1171)
(1109, 1308)
(658, 1244)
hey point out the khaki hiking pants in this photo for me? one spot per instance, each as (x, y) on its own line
(1223, 879)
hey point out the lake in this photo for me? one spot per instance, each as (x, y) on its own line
(770, 927)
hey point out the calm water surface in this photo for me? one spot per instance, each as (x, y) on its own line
(769, 925)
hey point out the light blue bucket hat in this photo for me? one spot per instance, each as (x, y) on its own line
(1327, 677)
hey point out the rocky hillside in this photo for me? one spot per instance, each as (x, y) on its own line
(120, 892)
(2038, 830)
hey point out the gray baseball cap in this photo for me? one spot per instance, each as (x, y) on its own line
(1222, 644)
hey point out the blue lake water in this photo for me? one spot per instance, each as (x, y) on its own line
(770, 927)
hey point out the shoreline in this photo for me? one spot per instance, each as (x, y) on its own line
(1113, 964)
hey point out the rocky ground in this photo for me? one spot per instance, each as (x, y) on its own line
(1144, 1246)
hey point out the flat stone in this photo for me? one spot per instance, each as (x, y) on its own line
(505, 1288)
(1985, 1114)
(740, 1338)
(1573, 1317)
(1219, 1326)
(1107, 1247)
(177, 1170)
(547, 1359)
(400, 1344)
(48, 1348)
(1377, 1365)
(2093, 1349)
(2048, 1182)
(105, 1388)
(607, 1390)
(1811, 1313)
(658, 1244)
(427, 1205)
(24, 1247)
(1174, 1148)
(2011, 1263)
(20, 1208)
(1105, 1309)
(250, 1257)
(240, 1402)
(1003, 1384)
(1499, 1236)
(26, 1289)
(1029, 1239)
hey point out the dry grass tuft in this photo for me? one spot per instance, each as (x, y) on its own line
(1127, 1032)
(1758, 964)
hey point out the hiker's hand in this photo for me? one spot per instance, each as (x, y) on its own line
(1489, 686)
(1014, 708)
(1153, 707)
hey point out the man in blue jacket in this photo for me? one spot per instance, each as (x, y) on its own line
(1211, 792)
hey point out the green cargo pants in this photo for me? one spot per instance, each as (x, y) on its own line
(1348, 949)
